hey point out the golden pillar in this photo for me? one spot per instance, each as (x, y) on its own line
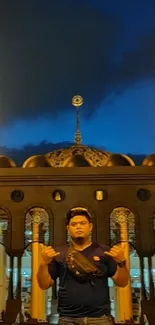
(2, 273)
(37, 295)
(124, 295)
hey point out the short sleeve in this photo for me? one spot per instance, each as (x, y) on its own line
(111, 267)
(53, 269)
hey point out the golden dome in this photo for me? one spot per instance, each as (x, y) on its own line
(36, 161)
(77, 156)
(119, 160)
(6, 162)
(149, 160)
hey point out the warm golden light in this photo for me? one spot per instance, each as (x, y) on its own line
(77, 101)
(99, 195)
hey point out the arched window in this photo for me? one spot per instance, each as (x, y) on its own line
(36, 303)
(6, 269)
(122, 233)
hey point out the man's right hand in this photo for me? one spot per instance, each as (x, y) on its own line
(48, 254)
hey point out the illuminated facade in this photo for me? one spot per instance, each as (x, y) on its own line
(34, 201)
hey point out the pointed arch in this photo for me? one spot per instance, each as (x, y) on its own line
(41, 217)
(5, 226)
(38, 229)
(120, 216)
(122, 227)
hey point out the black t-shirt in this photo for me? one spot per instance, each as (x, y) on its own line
(87, 299)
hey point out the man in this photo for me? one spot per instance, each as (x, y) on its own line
(82, 299)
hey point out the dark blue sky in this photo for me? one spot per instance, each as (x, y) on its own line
(52, 50)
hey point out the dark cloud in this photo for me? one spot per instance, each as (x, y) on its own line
(139, 63)
(51, 50)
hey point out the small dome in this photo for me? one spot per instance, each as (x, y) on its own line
(78, 155)
(6, 162)
(119, 160)
(36, 161)
(149, 160)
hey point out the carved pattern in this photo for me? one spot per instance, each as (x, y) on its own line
(39, 217)
(4, 225)
(59, 158)
(122, 222)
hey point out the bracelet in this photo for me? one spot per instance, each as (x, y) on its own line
(122, 264)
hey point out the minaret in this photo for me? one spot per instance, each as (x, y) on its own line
(77, 101)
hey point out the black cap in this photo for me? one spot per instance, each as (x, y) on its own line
(78, 211)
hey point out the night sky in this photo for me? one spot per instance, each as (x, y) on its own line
(51, 50)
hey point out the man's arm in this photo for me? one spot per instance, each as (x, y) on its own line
(121, 277)
(48, 269)
(44, 279)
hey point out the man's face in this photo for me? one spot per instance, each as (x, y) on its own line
(79, 227)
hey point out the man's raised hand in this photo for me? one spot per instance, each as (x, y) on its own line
(48, 254)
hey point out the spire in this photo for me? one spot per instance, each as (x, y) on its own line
(77, 101)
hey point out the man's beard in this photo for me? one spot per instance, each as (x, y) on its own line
(79, 240)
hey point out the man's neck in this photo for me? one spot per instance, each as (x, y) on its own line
(81, 244)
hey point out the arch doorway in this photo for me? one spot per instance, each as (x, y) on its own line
(125, 302)
(6, 268)
(36, 303)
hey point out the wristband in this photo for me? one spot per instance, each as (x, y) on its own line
(121, 264)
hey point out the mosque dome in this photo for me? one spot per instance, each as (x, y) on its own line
(6, 162)
(77, 156)
(36, 161)
(149, 160)
(118, 160)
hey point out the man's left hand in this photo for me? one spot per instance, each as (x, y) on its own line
(116, 253)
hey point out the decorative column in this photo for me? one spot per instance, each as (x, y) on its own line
(124, 295)
(37, 295)
(2, 272)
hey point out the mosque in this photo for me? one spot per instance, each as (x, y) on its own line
(34, 201)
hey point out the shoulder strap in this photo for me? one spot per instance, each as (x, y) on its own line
(102, 247)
